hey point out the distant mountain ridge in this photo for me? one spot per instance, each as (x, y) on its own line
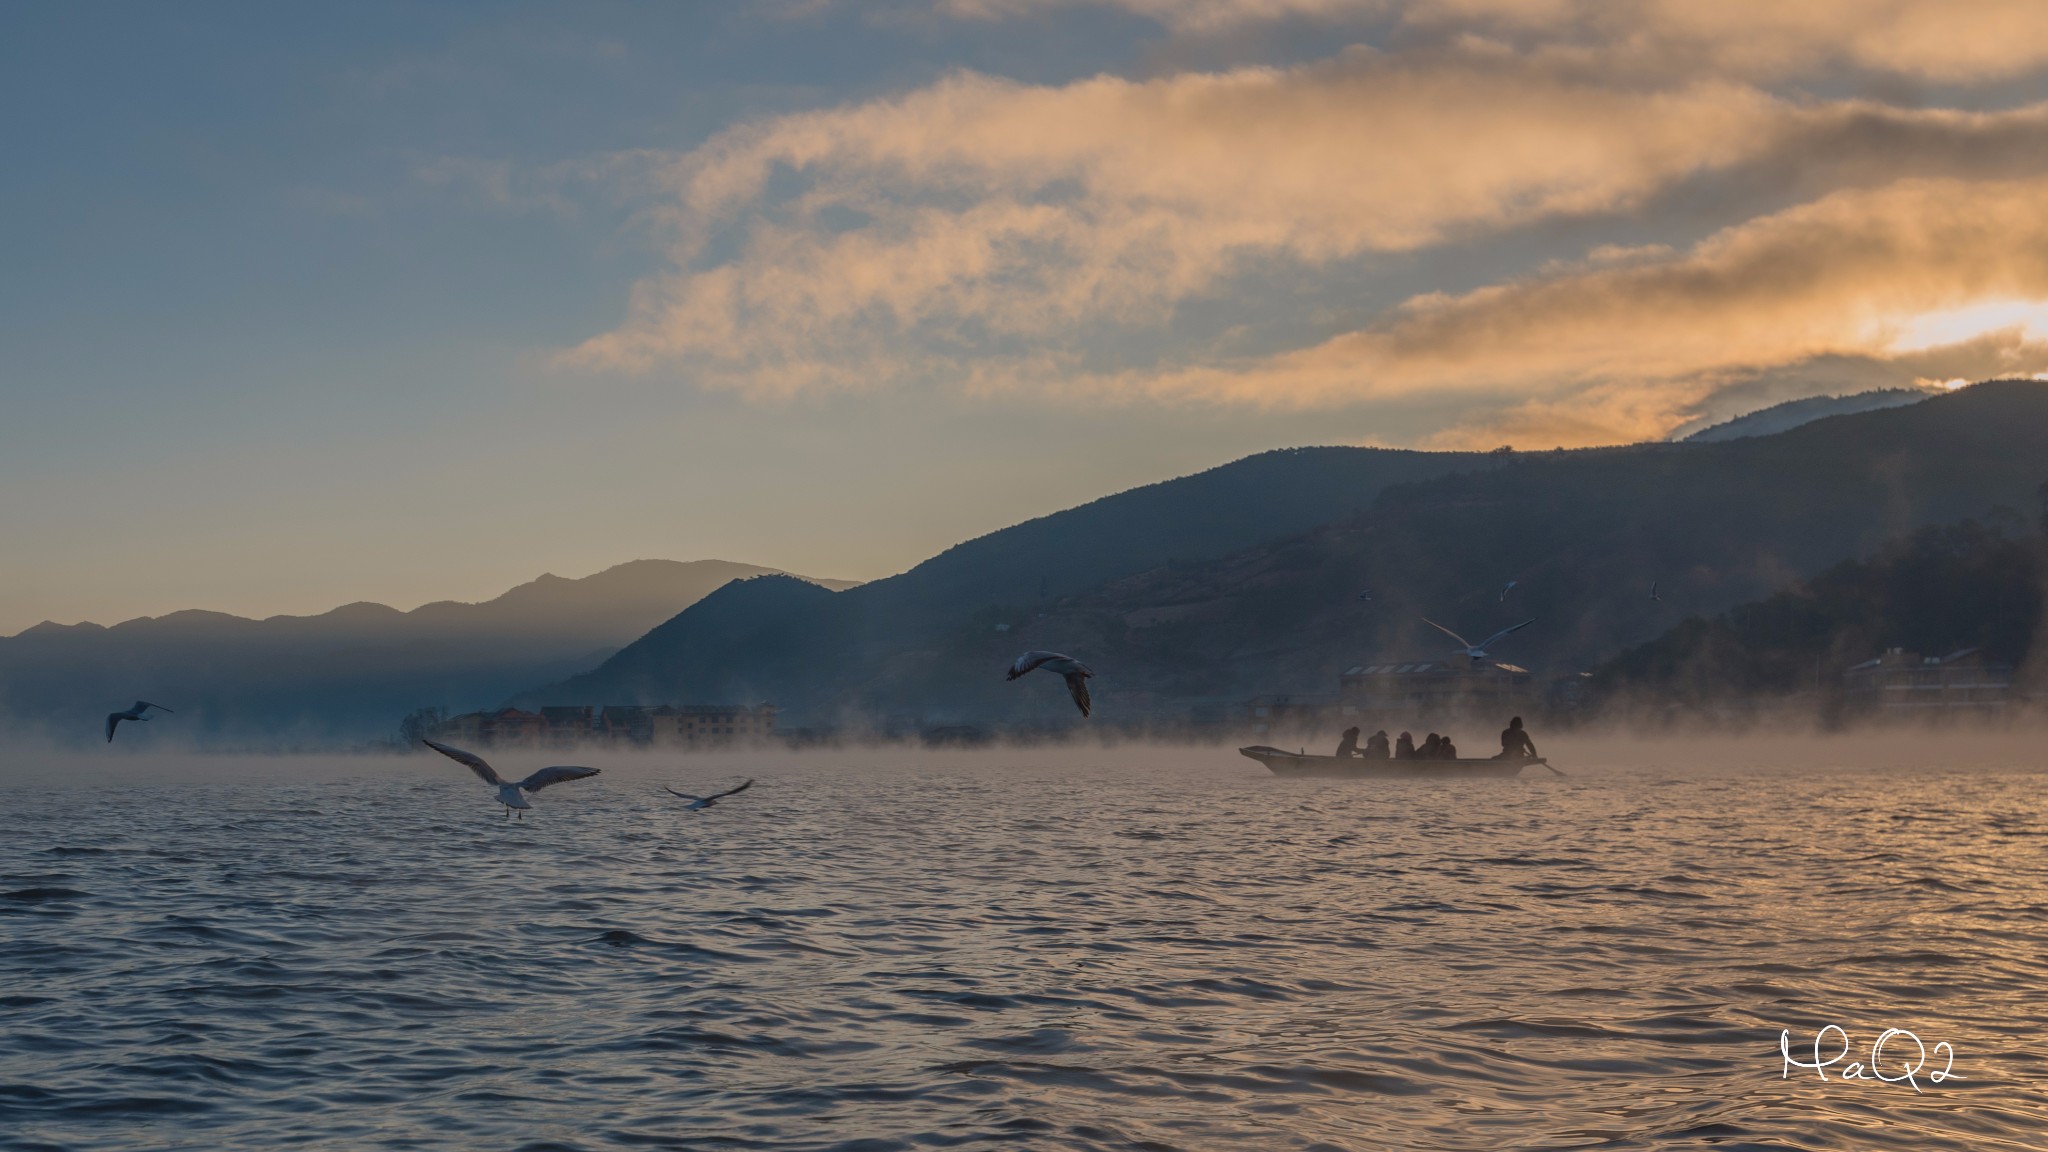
(342, 675)
(1274, 605)
(1793, 413)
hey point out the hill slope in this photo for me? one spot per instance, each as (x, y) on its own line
(812, 665)
(1584, 534)
(341, 675)
(1792, 413)
(1939, 590)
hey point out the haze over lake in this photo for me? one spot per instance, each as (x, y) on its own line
(1057, 948)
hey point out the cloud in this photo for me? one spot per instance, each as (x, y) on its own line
(1002, 235)
(1934, 40)
(1629, 349)
(979, 210)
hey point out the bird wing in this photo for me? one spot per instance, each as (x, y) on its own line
(470, 760)
(556, 775)
(733, 791)
(1448, 632)
(144, 705)
(1491, 640)
(684, 795)
(113, 722)
(1030, 660)
(1077, 687)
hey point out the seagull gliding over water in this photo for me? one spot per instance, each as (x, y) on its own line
(699, 803)
(509, 793)
(136, 713)
(1075, 672)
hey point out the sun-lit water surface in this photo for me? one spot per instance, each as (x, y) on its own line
(1043, 949)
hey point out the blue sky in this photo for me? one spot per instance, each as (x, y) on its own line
(304, 305)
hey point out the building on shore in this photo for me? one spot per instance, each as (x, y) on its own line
(1902, 683)
(685, 726)
(505, 728)
(567, 725)
(711, 725)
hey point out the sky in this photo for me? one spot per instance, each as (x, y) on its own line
(303, 305)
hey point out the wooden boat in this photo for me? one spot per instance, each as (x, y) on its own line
(1284, 763)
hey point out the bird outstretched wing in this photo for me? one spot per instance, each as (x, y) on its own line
(113, 722)
(555, 775)
(684, 795)
(1030, 660)
(733, 791)
(1077, 687)
(470, 760)
(1448, 632)
(1491, 640)
(142, 706)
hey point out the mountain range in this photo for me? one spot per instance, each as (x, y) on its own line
(1247, 578)
(1267, 575)
(342, 675)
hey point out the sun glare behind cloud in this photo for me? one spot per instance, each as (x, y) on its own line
(1952, 326)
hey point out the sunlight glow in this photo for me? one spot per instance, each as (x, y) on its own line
(1960, 325)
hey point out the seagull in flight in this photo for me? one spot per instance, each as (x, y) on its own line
(1507, 588)
(1075, 672)
(1477, 651)
(508, 792)
(1365, 595)
(699, 803)
(1653, 592)
(136, 713)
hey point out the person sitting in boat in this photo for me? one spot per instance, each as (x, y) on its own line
(1429, 747)
(1376, 745)
(1515, 743)
(1404, 748)
(1348, 746)
(1446, 750)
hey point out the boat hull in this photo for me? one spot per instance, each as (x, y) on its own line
(1284, 763)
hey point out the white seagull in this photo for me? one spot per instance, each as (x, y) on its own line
(1653, 592)
(136, 713)
(509, 793)
(1477, 651)
(699, 803)
(1509, 587)
(1365, 595)
(1075, 672)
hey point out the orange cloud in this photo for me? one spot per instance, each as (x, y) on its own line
(1623, 351)
(1023, 210)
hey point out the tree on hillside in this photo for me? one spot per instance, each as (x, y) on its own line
(420, 723)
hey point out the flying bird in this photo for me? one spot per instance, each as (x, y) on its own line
(699, 803)
(1365, 595)
(1477, 651)
(1075, 672)
(136, 713)
(509, 793)
(1653, 592)
(1507, 588)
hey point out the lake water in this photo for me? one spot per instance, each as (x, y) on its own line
(1135, 948)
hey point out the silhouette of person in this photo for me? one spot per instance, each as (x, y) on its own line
(1515, 743)
(1348, 746)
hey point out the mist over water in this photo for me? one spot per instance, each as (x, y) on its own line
(1071, 947)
